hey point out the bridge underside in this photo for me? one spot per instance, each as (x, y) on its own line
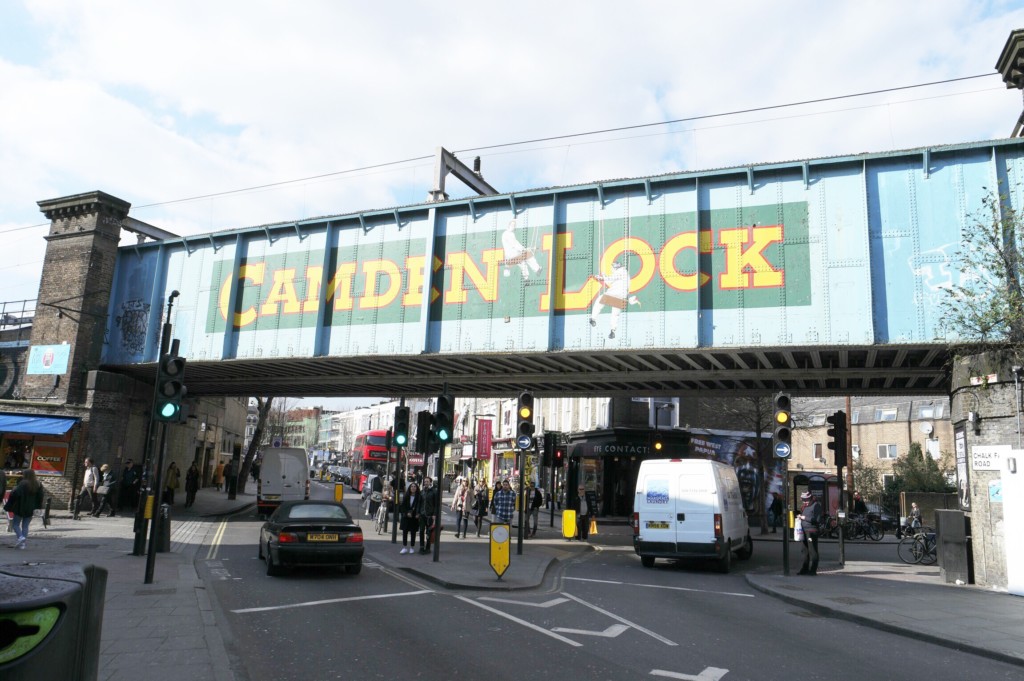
(845, 370)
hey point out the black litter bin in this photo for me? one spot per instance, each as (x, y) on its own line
(51, 616)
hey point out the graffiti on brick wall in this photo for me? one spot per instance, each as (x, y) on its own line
(132, 323)
(10, 362)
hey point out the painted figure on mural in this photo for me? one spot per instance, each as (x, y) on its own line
(516, 253)
(616, 297)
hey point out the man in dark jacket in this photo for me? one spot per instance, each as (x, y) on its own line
(810, 520)
(429, 515)
(536, 498)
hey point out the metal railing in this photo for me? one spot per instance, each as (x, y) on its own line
(16, 322)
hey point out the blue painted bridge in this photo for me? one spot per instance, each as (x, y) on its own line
(817, 276)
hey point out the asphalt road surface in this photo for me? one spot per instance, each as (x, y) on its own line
(602, 616)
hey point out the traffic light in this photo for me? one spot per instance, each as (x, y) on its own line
(401, 438)
(170, 389)
(444, 418)
(838, 434)
(559, 456)
(387, 441)
(524, 415)
(424, 422)
(549, 449)
(783, 425)
(657, 444)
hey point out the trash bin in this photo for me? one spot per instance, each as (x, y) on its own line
(163, 540)
(51, 616)
(951, 546)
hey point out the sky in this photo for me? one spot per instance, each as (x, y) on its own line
(208, 116)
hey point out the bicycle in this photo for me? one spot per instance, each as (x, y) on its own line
(919, 547)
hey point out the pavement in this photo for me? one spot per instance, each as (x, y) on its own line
(168, 629)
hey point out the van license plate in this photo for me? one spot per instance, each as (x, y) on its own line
(321, 537)
(271, 497)
(657, 525)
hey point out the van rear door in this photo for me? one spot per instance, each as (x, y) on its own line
(654, 508)
(695, 507)
(293, 474)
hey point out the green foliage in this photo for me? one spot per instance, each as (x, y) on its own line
(914, 472)
(986, 307)
(867, 479)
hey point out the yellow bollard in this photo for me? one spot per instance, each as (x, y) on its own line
(150, 499)
(339, 492)
(499, 548)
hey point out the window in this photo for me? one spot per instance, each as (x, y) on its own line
(854, 416)
(886, 451)
(817, 452)
(932, 447)
(885, 414)
(817, 420)
(888, 479)
(930, 411)
(856, 451)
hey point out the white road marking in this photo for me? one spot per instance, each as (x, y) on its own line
(659, 586)
(709, 674)
(623, 620)
(611, 632)
(545, 604)
(329, 601)
(526, 624)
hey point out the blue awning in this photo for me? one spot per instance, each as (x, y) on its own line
(36, 425)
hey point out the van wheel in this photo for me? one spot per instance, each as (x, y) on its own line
(647, 561)
(725, 562)
(747, 550)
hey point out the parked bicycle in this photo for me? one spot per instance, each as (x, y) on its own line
(863, 527)
(919, 547)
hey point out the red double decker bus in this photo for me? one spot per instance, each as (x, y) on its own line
(368, 457)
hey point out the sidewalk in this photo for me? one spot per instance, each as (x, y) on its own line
(157, 631)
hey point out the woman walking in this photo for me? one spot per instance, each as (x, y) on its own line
(191, 484)
(25, 500)
(481, 501)
(411, 508)
(460, 504)
(105, 492)
(171, 483)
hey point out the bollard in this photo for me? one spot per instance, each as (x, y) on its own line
(339, 492)
(51, 616)
(163, 528)
(46, 512)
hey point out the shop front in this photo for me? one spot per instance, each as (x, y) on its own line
(607, 462)
(36, 442)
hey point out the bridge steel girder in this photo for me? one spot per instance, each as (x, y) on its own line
(821, 276)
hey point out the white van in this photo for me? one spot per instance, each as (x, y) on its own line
(283, 477)
(689, 508)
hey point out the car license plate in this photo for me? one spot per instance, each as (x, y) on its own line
(321, 537)
(271, 497)
(657, 525)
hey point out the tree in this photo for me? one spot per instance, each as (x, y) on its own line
(755, 414)
(914, 472)
(986, 307)
(263, 405)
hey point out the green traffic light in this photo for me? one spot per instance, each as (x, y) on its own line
(442, 435)
(400, 440)
(168, 410)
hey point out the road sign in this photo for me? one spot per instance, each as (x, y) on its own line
(524, 441)
(277, 442)
(783, 450)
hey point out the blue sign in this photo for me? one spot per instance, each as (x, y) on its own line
(48, 359)
(783, 450)
(524, 442)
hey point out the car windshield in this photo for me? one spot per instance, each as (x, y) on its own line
(303, 511)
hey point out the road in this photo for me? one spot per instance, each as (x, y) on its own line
(602, 616)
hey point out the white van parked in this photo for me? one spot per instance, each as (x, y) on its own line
(283, 477)
(689, 508)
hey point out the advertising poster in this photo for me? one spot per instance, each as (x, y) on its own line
(483, 439)
(963, 481)
(49, 458)
(740, 452)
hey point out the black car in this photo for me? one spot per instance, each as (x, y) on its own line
(311, 532)
(876, 512)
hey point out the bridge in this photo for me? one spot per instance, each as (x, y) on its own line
(818, 276)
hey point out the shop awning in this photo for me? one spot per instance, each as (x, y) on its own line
(35, 425)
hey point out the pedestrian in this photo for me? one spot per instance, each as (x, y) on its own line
(428, 519)
(229, 477)
(218, 475)
(376, 495)
(90, 481)
(410, 509)
(775, 512)
(481, 499)
(255, 471)
(171, 481)
(859, 507)
(24, 501)
(810, 519)
(105, 491)
(536, 498)
(585, 505)
(460, 504)
(914, 520)
(504, 502)
(191, 484)
(130, 480)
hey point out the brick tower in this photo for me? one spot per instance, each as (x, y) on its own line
(74, 294)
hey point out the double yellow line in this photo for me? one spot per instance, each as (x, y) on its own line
(217, 537)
